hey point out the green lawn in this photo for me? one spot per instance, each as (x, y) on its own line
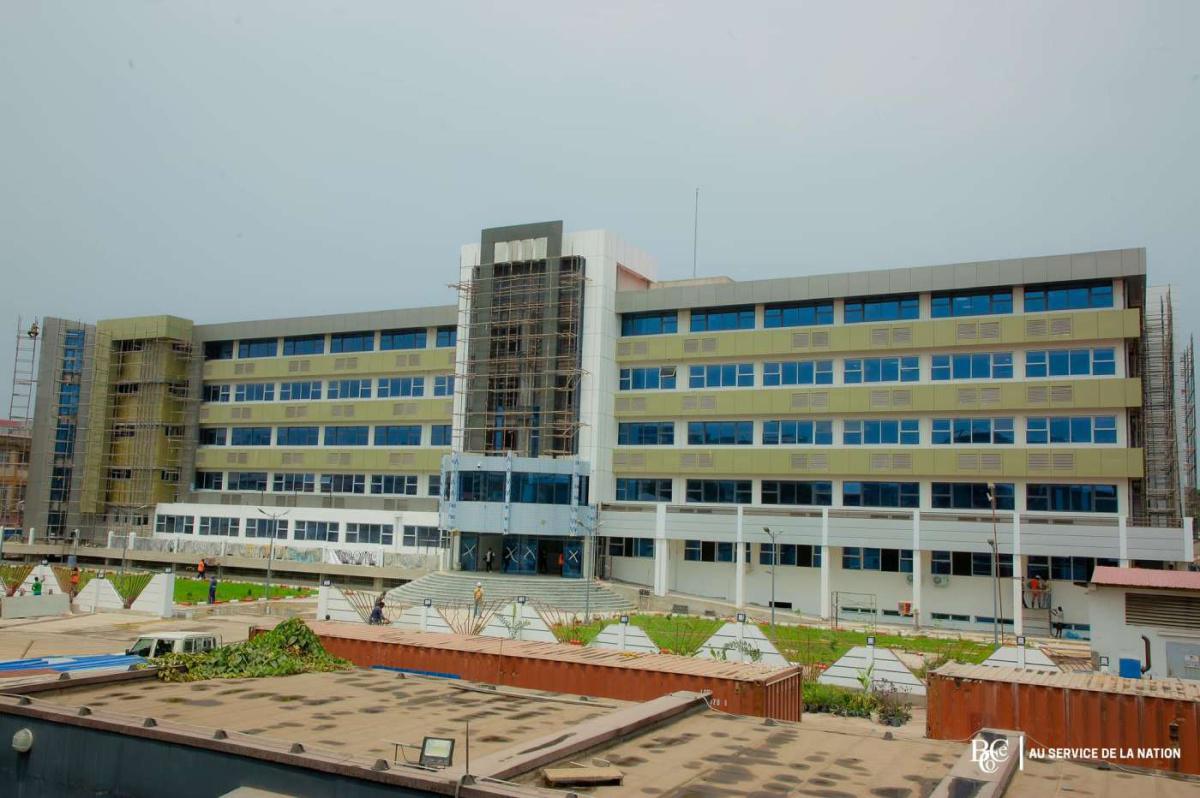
(195, 591)
(804, 645)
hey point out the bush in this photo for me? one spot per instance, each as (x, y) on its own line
(837, 700)
(288, 649)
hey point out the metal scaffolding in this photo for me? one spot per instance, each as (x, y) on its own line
(522, 367)
(1187, 425)
(1159, 434)
(20, 403)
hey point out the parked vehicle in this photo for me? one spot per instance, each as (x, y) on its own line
(160, 643)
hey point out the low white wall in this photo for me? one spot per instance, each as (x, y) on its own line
(49, 580)
(29, 606)
(99, 595)
(333, 605)
(158, 597)
(638, 570)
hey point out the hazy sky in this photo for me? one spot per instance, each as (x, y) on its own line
(225, 161)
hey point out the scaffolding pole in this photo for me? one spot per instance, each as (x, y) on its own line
(1162, 501)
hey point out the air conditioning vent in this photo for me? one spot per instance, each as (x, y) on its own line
(902, 397)
(342, 411)
(629, 459)
(902, 462)
(295, 412)
(990, 462)
(989, 331)
(1063, 461)
(624, 348)
(1176, 612)
(293, 458)
(881, 399)
(1035, 328)
(641, 348)
(1036, 394)
(800, 340)
(403, 409)
(1062, 325)
(691, 346)
(902, 335)
(801, 400)
(880, 336)
(402, 458)
(820, 340)
(968, 396)
(414, 359)
(345, 363)
(810, 462)
(881, 462)
(820, 400)
(940, 580)
(1062, 393)
(244, 368)
(336, 458)
(968, 462)
(298, 366)
(203, 413)
(966, 331)
(989, 396)
(1038, 461)
(694, 460)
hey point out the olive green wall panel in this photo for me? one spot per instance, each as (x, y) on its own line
(350, 412)
(391, 363)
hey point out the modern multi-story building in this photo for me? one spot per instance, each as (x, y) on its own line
(914, 442)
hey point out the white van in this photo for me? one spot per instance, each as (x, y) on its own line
(159, 643)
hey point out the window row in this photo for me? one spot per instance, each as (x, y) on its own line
(1039, 497)
(335, 343)
(385, 435)
(875, 432)
(308, 390)
(904, 307)
(525, 488)
(289, 482)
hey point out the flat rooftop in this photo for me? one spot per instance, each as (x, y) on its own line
(357, 713)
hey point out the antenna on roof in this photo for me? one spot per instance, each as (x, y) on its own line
(695, 231)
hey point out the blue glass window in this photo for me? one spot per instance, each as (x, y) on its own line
(648, 379)
(400, 387)
(247, 480)
(349, 389)
(352, 342)
(819, 493)
(1071, 498)
(68, 399)
(721, 375)
(447, 336)
(294, 391)
(1070, 362)
(72, 357)
(797, 431)
(973, 366)
(251, 436)
(394, 484)
(481, 486)
(881, 494)
(293, 483)
(718, 319)
(218, 350)
(874, 432)
(798, 372)
(1069, 296)
(882, 369)
(304, 345)
(720, 433)
(254, 392)
(971, 496)
(797, 314)
(971, 303)
(719, 491)
(215, 393)
(886, 308)
(440, 435)
(64, 438)
(972, 431)
(346, 436)
(258, 347)
(657, 323)
(443, 385)
(398, 435)
(402, 339)
(799, 554)
(643, 490)
(630, 547)
(343, 483)
(646, 433)
(209, 480)
(298, 436)
(326, 531)
(212, 436)
(541, 488)
(855, 558)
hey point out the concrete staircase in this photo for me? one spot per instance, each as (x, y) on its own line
(568, 595)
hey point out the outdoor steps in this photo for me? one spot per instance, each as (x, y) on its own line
(563, 594)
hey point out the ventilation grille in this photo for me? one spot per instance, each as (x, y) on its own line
(891, 462)
(820, 340)
(632, 348)
(902, 397)
(631, 403)
(345, 363)
(966, 331)
(989, 330)
(293, 458)
(338, 458)
(295, 412)
(814, 400)
(968, 396)
(699, 403)
(1062, 325)
(989, 396)
(242, 413)
(203, 413)
(980, 462)
(342, 411)
(695, 460)
(1177, 612)
(1037, 394)
(1036, 328)
(300, 366)
(629, 459)
(402, 458)
(693, 346)
(244, 368)
(801, 340)
(1051, 462)
(810, 462)
(1062, 393)
(236, 458)
(404, 409)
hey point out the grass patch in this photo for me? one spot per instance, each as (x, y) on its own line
(675, 634)
(195, 591)
(811, 645)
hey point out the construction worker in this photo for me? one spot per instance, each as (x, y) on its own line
(75, 581)
(200, 566)
(478, 599)
(487, 560)
(37, 586)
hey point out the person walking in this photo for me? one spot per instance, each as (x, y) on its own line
(377, 613)
(75, 581)
(487, 560)
(212, 588)
(478, 599)
(1056, 621)
(37, 586)
(200, 566)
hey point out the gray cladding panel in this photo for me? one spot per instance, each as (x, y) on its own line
(975, 274)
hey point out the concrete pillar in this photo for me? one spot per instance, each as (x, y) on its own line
(918, 570)
(323, 600)
(33, 535)
(826, 556)
(1123, 540)
(1189, 539)
(111, 534)
(739, 563)
(662, 551)
(1018, 577)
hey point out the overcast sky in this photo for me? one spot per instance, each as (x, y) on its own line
(226, 161)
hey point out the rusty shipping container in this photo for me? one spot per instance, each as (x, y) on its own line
(1070, 710)
(748, 689)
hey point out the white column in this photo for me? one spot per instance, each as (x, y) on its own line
(739, 563)
(323, 600)
(662, 552)
(1018, 576)
(33, 532)
(1123, 540)
(918, 569)
(825, 565)
(110, 537)
(1189, 547)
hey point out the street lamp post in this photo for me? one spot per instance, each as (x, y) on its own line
(590, 543)
(774, 567)
(271, 546)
